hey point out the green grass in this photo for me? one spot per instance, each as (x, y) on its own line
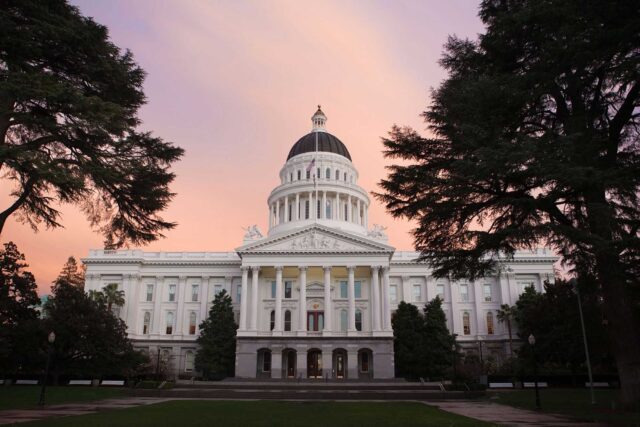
(23, 397)
(575, 403)
(187, 413)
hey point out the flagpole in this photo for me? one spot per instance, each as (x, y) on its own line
(315, 180)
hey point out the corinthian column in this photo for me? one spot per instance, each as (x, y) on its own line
(328, 309)
(302, 303)
(255, 272)
(243, 298)
(352, 299)
(277, 330)
(386, 307)
(375, 296)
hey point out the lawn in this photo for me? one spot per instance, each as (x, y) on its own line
(21, 397)
(575, 403)
(187, 413)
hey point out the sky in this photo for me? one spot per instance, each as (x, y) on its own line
(235, 84)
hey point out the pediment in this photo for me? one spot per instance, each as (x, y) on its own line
(316, 239)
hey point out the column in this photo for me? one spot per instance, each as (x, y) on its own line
(336, 210)
(182, 284)
(358, 216)
(349, 209)
(375, 296)
(255, 275)
(352, 299)
(312, 211)
(386, 307)
(323, 208)
(124, 310)
(296, 214)
(157, 299)
(277, 330)
(456, 315)
(270, 216)
(243, 298)
(302, 303)
(365, 216)
(204, 298)
(286, 208)
(132, 303)
(328, 309)
(277, 212)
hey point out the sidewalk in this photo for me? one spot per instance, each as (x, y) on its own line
(506, 415)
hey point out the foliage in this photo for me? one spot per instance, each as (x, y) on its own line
(89, 338)
(69, 101)
(506, 315)
(421, 341)
(553, 318)
(216, 355)
(534, 140)
(71, 273)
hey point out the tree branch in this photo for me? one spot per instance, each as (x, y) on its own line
(27, 188)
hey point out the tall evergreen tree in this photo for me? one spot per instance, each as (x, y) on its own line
(506, 315)
(408, 341)
(534, 140)
(216, 356)
(69, 101)
(438, 339)
(72, 273)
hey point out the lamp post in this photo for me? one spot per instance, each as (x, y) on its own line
(453, 359)
(574, 284)
(532, 343)
(51, 338)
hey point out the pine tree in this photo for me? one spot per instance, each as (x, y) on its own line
(408, 341)
(438, 340)
(71, 273)
(216, 356)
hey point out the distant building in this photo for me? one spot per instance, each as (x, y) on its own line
(314, 297)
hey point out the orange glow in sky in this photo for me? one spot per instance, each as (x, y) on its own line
(235, 83)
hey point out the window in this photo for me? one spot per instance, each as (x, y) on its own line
(345, 177)
(464, 292)
(346, 212)
(308, 174)
(523, 285)
(343, 320)
(466, 323)
(315, 320)
(272, 320)
(287, 320)
(328, 173)
(195, 290)
(217, 289)
(364, 362)
(358, 320)
(192, 323)
(318, 174)
(266, 361)
(273, 289)
(299, 176)
(169, 329)
(288, 286)
(146, 323)
(343, 289)
(172, 293)
(393, 294)
(319, 208)
(486, 289)
(490, 323)
(440, 291)
(291, 177)
(290, 215)
(337, 175)
(327, 210)
(239, 293)
(306, 209)
(149, 293)
(417, 293)
(358, 288)
(188, 361)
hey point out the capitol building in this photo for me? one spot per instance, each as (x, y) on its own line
(315, 294)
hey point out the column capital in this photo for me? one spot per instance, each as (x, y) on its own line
(385, 268)
(244, 268)
(406, 278)
(303, 267)
(160, 277)
(376, 268)
(278, 268)
(326, 267)
(351, 268)
(182, 278)
(205, 277)
(255, 268)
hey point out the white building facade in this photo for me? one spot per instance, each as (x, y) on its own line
(315, 296)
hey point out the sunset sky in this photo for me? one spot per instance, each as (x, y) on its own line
(235, 83)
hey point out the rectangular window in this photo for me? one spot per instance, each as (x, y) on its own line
(288, 286)
(273, 289)
(487, 292)
(343, 289)
(217, 289)
(393, 294)
(523, 285)
(149, 293)
(195, 290)
(417, 293)
(306, 209)
(490, 323)
(466, 324)
(308, 174)
(172, 293)
(464, 293)
(239, 293)
(358, 288)
(440, 291)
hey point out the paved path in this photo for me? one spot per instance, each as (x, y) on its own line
(506, 415)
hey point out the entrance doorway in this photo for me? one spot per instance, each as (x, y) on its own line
(315, 320)
(314, 364)
(340, 363)
(290, 363)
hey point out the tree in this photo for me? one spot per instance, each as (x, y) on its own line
(71, 273)
(408, 341)
(112, 296)
(438, 340)
(216, 356)
(69, 101)
(506, 315)
(534, 140)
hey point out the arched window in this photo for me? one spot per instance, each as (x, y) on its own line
(358, 320)
(337, 174)
(188, 361)
(308, 174)
(489, 323)
(287, 320)
(291, 177)
(299, 175)
(327, 173)
(466, 323)
(169, 329)
(343, 320)
(192, 323)
(272, 322)
(345, 177)
(146, 323)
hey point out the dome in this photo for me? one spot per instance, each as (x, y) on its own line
(326, 143)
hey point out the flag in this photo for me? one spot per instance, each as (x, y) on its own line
(311, 165)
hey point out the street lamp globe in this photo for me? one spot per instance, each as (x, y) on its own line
(532, 340)
(453, 347)
(51, 337)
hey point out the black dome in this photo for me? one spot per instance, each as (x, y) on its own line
(326, 143)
